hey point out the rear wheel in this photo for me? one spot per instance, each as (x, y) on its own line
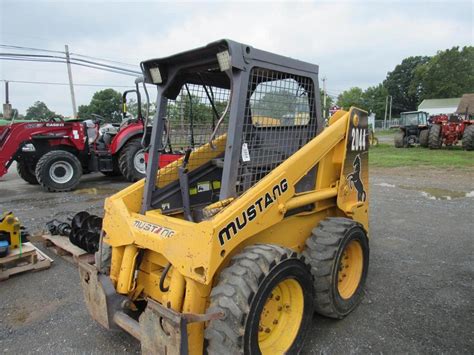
(434, 137)
(424, 137)
(132, 161)
(266, 295)
(58, 171)
(398, 140)
(26, 171)
(468, 138)
(338, 252)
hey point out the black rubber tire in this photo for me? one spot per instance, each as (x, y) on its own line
(324, 250)
(434, 138)
(126, 165)
(26, 172)
(424, 135)
(241, 292)
(468, 138)
(44, 164)
(399, 140)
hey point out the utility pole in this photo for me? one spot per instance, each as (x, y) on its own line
(385, 114)
(324, 98)
(390, 112)
(71, 84)
(7, 108)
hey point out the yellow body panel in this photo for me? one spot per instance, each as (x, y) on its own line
(198, 251)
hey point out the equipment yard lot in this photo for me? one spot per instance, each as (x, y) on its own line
(418, 295)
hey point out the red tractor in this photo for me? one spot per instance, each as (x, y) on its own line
(448, 130)
(55, 154)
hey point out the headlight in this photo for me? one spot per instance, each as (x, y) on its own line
(223, 59)
(156, 75)
(28, 147)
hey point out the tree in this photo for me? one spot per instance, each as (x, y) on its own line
(352, 97)
(132, 107)
(401, 84)
(39, 111)
(449, 73)
(106, 103)
(374, 100)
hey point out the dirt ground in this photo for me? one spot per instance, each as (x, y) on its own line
(419, 292)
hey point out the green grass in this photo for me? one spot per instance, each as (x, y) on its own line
(387, 156)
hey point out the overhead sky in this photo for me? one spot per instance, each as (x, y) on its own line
(355, 43)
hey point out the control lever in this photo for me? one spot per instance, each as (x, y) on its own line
(184, 185)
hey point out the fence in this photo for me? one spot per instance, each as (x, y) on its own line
(381, 124)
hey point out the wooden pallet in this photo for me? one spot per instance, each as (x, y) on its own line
(29, 259)
(61, 246)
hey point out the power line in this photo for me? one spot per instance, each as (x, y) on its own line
(29, 48)
(103, 59)
(61, 52)
(65, 84)
(43, 56)
(73, 61)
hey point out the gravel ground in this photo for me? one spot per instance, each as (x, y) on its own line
(419, 293)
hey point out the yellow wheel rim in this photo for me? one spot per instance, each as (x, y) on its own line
(350, 269)
(281, 317)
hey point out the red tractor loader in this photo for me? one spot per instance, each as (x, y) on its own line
(56, 154)
(449, 130)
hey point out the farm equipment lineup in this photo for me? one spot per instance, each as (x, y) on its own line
(435, 131)
(232, 247)
(55, 154)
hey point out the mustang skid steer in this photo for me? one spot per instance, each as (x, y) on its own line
(231, 248)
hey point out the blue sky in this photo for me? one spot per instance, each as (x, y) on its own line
(355, 42)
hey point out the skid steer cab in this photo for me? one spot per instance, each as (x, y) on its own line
(263, 221)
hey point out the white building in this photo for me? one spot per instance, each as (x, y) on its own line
(439, 106)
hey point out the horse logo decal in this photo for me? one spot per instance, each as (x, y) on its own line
(355, 181)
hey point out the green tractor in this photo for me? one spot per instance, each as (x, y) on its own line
(414, 129)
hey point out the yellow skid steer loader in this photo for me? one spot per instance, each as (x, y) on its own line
(231, 248)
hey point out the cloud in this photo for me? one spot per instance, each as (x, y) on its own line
(355, 43)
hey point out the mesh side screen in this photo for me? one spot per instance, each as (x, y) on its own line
(279, 119)
(191, 119)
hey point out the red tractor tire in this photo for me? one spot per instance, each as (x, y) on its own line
(58, 171)
(468, 138)
(26, 172)
(132, 160)
(435, 141)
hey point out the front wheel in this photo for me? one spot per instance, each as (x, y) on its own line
(424, 135)
(435, 140)
(58, 171)
(266, 295)
(399, 140)
(338, 252)
(132, 161)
